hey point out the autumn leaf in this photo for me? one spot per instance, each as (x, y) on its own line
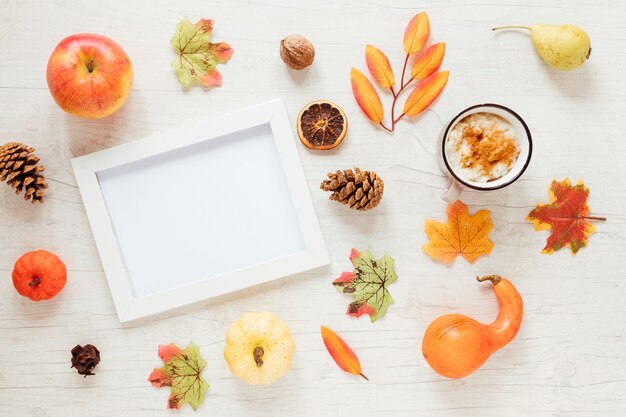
(341, 353)
(429, 61)
(463, 235)
(379, 66)
(366, 96)
(416, 33)
(197, 56)
(368, 284)
(425, 93)
(567, 215)
(182, 373)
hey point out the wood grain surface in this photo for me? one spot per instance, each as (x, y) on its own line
(569, 358)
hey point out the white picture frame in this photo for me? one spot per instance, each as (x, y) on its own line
(189, 171)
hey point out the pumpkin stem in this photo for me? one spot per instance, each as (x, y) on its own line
(36, 281)
(258, 353)
(493, 278)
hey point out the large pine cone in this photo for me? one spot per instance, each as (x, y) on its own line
(18, 166)
(361, 190)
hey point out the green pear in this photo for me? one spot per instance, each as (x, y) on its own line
(565, 47)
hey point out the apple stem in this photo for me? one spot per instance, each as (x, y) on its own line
(511, 27)
(36, 281)
(91, 65)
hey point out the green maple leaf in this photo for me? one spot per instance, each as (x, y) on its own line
(197, 56)
(368, 283)
(182, 373)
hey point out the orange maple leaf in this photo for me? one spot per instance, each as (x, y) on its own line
(463, 235)
(567, 216)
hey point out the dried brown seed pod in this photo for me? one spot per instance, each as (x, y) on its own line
(297, 52)
(85, 359)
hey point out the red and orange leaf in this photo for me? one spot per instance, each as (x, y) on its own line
(366, 96)
(429, 61)
(368, 284)
(567, 215)
(463, 235)
(416, 33)
(341, 353)
(379, 66)
(425, 93)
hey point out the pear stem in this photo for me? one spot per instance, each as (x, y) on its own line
(493, 278)
(511, 27)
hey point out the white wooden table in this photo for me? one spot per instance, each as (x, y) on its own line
(569, 358)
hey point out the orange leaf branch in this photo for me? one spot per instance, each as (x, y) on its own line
(431, 83)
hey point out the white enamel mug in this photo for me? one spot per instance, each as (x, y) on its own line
(457, 182)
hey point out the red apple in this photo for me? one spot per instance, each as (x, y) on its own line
(89, 75)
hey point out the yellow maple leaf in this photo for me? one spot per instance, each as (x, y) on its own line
(463, 235)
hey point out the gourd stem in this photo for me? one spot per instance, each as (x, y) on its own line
(493, 278)
(36, 281)
(511, 27)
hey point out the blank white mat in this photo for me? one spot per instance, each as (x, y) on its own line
(178, 219)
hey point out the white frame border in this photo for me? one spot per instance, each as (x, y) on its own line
(128, 305)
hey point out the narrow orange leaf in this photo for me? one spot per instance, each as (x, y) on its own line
(416, 33)
(429, 61)
(463, 235)
(379, 66)
(425, 93)
(341, 352)
(366, 96)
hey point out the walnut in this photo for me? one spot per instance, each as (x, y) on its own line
(297, 52)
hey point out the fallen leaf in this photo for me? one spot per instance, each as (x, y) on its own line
(567, 215)
(197, 56)
(182, 373)
(341, 352)
(429, 61)
(368, 284)
(463, 235)
(366, 96)
(425, 93)
(379, 66)
(416, 33)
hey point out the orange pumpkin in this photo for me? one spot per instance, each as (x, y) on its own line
(455, 345)
(39, 275)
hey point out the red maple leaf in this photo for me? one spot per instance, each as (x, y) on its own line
(567, 215)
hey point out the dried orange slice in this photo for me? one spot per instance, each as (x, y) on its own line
(322, 125)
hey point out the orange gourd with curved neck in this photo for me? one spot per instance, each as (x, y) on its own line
(455, 345)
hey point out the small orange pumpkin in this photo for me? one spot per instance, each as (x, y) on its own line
(39, 275)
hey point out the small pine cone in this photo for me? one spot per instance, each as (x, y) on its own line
(361, 190)
(18, 166)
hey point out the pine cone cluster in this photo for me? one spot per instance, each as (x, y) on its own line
(18, 166)
(361, 190)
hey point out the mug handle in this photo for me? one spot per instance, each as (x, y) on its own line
(453, 192)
